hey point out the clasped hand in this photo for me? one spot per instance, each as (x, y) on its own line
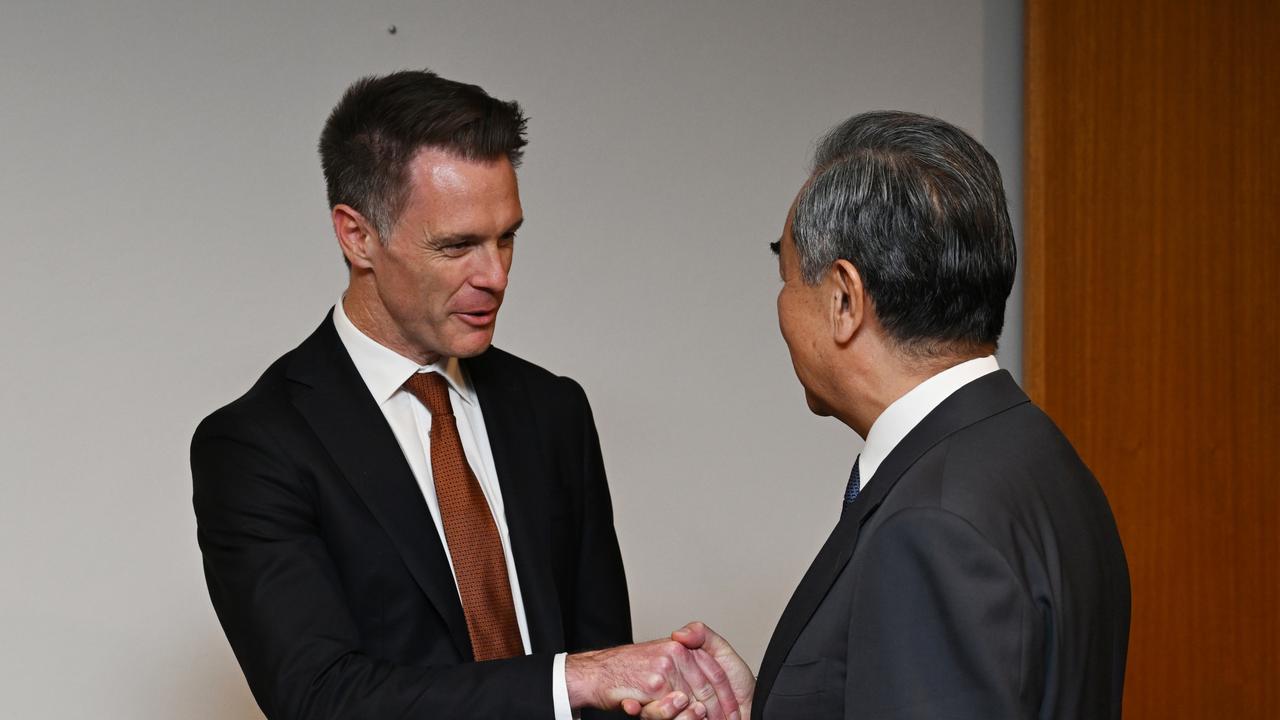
(695, 674)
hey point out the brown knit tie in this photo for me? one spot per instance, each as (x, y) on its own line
(469, 529)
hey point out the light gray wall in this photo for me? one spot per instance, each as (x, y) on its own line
(166, 237)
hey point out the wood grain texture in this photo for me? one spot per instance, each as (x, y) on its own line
(1153, 288)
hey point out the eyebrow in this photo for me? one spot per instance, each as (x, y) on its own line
(468, 237)
(776, 247)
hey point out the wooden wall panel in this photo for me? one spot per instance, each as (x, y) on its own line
(1153, 289)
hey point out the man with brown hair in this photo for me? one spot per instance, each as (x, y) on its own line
(397, 519)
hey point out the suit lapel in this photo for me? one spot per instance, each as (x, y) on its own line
(980, 399)
(517, 458)
(330, 394)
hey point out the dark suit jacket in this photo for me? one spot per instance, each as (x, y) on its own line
(329, 576)
(980, 575)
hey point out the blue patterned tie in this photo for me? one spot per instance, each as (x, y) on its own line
(854, 487)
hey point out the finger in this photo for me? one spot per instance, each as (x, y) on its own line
(702, 690)
(667, 707)
(696, 711)
(692, 636)
(719, 680)
(631, 707)
(698, 635)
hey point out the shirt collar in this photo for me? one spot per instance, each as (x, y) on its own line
(384, 370)
(907, 411)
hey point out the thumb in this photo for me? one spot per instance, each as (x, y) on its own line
(694, 635)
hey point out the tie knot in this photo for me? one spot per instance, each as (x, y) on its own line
(432, 390)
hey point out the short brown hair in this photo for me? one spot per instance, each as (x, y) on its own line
(382, 122)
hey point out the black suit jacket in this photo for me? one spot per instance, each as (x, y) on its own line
(980, 575)
(329, 576)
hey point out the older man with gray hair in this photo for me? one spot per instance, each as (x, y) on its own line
(976, 570)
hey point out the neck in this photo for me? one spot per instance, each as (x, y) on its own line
(876, 379)
(365, 310)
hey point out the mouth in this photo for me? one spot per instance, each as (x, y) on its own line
(478, 318)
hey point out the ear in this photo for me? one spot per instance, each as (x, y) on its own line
(356, 235)
(848, 301)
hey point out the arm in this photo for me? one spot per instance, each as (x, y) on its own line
(600, 614)
(937, 626)
(280, 600)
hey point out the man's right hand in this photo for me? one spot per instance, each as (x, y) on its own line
(700, 638)
(664, 677)
(703, 641)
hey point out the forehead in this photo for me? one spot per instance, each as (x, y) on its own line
(452, 194)
(786, 241)
(789, 223)
(442, 174)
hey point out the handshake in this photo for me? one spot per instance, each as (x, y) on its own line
(695, 674)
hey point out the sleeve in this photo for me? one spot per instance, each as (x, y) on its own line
(937, 624)
(600, 613)
(278, 596)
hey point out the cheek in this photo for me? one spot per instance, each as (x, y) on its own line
(416, 296)
(440, 286)
(787, 320)
(782, 313)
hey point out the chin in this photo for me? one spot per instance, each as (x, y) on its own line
(816, 406)
(472, 345)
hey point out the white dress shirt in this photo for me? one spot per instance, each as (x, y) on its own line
(906, 412)
(384, 372)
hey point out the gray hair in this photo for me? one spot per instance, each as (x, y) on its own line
(917, 206)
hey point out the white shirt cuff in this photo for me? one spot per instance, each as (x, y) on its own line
(560, 689)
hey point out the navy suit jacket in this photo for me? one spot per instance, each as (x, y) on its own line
(327, 572)
(979, 575)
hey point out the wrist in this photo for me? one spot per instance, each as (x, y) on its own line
(580, 680)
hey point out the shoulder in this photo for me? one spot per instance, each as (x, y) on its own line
(265, 403)
(500, 367)
(268, 403)
(1015, 464)
(1016, 452)
(1013, 478)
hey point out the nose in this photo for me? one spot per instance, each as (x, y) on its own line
(491, 269)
